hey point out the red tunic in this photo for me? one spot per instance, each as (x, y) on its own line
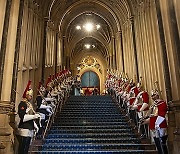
(162, 110)
(145, 99)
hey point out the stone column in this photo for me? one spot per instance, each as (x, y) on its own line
(142, 40)
(55, 50)
(173, 107)
(123, 41)
(134, 44)
(16, 61)
(111, 61)
(67, 62)
(44, 50)
(147, 55)
(7, 61)
(164, 52)
(137, 22)
(63, 51)
(174, 114)
(4, 41)
(108, 62)
(174, 28)
(122, 50)
(152, 48)
(114, 53)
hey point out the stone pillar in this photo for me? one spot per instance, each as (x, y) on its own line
(56, 50)
(134, 45)
(44, 50)
(111, 61)
(108, 62)
(63, 51)
(123, 40)
(67, 62)
(121, 51)
(164, 52)
(139, 40)
(152, 48)
(6, 62)
(4, 41)
(16, 61)
(174, 115)
(174, 106)
(148, 54)
(174, 28)
(114, 65)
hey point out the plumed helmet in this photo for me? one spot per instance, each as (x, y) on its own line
(28, 90)
(48, 82)
(154, 93)
(139, 84)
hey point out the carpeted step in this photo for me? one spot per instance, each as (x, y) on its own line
(76, 147)
(92, 124)
(91, 140)
(89, 127)
(89, 112)
(69, 120)
(105, 116)
(78, 131)
(89, 122)
(90, 135)
(86, 123)
(92, 114)
(98, 152)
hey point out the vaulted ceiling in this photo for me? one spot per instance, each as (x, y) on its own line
(67, 14)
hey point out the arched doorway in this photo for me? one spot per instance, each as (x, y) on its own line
(91, 80)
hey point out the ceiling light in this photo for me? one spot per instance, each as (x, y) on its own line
(98, 26)
(87, 46)
(78, 27)
(93, 46)
(89, 27)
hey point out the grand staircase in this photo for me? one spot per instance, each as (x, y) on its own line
(92, 124)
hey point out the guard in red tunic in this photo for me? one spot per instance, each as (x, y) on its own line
(157, 122)
(141, 104)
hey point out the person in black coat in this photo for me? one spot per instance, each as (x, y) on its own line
(27, 123)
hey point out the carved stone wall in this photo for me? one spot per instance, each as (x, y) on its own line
(6, 135)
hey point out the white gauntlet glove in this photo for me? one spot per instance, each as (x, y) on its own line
(36, 116)
(28, 117)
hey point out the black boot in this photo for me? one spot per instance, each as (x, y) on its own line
(158, 145)
(164, 139)
(24, 143)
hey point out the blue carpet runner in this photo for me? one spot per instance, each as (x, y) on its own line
(92, 124)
